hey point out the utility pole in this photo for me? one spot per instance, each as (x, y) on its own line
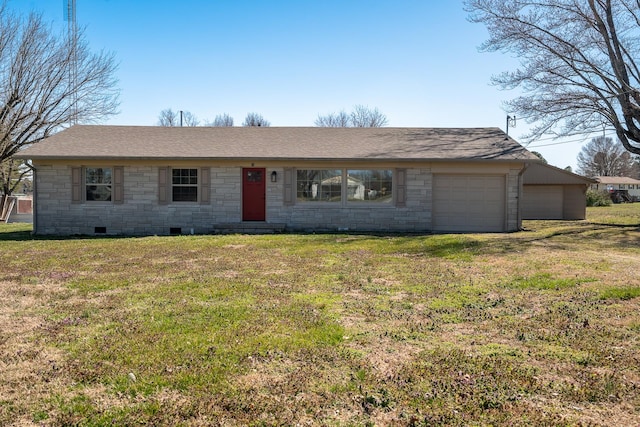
(512, 121)
(72, 35)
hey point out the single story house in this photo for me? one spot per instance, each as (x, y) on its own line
(143, 180)
(611, 183)
(553, 193)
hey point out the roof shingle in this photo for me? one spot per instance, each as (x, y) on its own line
(616, 180)
(278, 143)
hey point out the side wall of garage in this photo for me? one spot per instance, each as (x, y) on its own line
(553, 193)
(563, 202)
(575, 202)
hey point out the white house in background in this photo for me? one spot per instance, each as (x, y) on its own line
(135, 180)
(609, 183)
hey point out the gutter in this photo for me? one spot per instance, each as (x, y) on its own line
(520, 191)
(34, 206)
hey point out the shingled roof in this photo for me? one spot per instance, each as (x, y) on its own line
(616, 180)
(544, 174)
(278, 143)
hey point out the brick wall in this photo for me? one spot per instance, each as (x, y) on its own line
(315, 216)
(141, 214)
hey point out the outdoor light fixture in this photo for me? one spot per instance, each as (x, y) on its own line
(274, 176)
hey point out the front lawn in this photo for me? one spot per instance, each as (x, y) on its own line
(539, 327)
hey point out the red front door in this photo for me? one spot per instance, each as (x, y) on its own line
(253, 194)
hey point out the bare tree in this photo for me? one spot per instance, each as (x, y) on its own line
(578, 63)
(12, 172)
(222, 120)
(255, 119)
(334, 120)
(364, 117)
(189, 119)
(169, 118)
(38, 97)
(360, 117)
(604, 157)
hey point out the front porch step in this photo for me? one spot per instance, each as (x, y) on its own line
(249, 227)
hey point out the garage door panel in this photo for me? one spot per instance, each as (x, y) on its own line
(456, 206)
(542, 202)
(468, 203)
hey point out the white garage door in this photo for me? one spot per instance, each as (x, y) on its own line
(542, 202)
(468, 203)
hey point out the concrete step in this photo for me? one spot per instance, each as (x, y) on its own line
(249, 227)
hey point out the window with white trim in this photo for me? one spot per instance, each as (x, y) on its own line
(370, 185)
(345, 186)
(184, 185)
(319, 185)
(98, 183)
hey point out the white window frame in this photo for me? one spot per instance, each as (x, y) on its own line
(102, 192)
(344, 196)
(182, 185)
(320, 200)
(79, 185)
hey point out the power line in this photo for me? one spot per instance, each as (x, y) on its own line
(565, 142)
(549, 138)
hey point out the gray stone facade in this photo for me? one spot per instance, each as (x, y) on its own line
(140, 213)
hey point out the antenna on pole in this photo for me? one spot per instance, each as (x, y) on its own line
(72, 38)
(512, 121)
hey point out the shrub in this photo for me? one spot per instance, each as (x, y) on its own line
(598, 198)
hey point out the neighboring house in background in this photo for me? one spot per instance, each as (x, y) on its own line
(136, 180)
(610, 183)
(553, 193)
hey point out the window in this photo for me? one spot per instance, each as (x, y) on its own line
(184, 185)
(254, 176)
(91, 184)
(344, 186)
(319, 185)
(369, 185)
(98, 184)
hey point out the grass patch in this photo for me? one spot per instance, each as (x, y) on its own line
(544, 281)
(625, 293)
(626, 214)
(538, 327)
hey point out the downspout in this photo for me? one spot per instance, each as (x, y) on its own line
(34, 203)
(520, 191)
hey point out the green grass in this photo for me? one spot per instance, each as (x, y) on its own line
(539, 327)
(624, 293)
(542, 281)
